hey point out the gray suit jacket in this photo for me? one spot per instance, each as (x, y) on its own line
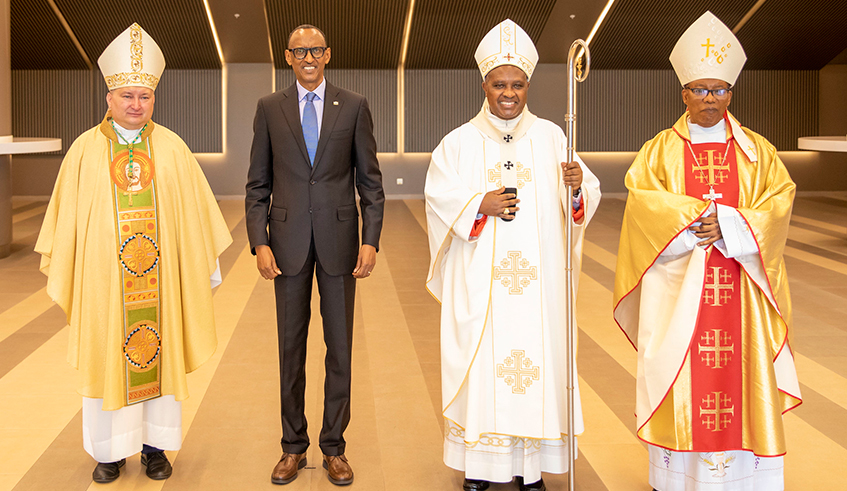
(289, 201)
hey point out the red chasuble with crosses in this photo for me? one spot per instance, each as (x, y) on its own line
(715, 351)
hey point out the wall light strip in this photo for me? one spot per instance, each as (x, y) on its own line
(224, 84)
(401, 79)
(214, 31)
(599, 21)
(70, 33)
(747, 16)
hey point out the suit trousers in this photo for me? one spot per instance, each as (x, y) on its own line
(293, 312)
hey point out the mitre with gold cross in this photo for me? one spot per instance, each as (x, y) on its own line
(133, 59)
(708, 49)
(506, 44)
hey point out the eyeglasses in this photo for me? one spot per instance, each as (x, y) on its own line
(300, 53)
(701, 93)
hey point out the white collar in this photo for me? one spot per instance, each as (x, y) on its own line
(127, 135)
(702, 134)
(320, 90)
(503, 124)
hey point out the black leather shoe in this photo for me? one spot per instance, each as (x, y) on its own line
(474, 485)
(158, 467)
(107, 472)
(535, 486)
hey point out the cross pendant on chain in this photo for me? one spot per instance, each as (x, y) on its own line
(712, 194)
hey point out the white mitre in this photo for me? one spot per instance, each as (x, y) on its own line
(708, 49)
(133, 59)
(506, 44)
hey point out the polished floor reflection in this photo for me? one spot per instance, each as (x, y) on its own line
(231, 421)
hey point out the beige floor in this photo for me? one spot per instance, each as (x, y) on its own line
(231, 421)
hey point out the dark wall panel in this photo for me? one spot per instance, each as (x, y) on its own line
(180, 27)
(378, 86)
(640, 34)
(795, 35)
(38, 40)
(446, 33)
(362, 33)
(437, 102)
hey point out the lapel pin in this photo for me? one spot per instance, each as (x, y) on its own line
(334, 103)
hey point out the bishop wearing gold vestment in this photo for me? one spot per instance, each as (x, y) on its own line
(129, 244)
(701, 288)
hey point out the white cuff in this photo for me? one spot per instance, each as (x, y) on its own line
(738, 239)
(686, 241)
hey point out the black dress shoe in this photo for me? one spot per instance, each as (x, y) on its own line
(107, 472)
(158, 467)
(535, 486)
(474, 485)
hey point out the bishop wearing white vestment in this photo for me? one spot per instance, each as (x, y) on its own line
(498, 269)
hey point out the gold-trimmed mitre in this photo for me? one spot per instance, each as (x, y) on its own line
(506, 44)
(708, 49)
(133, 59)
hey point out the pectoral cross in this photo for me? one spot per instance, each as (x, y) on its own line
(712, 194)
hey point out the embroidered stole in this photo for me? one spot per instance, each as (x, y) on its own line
(518, 371)
(715, 359)
(134, 194)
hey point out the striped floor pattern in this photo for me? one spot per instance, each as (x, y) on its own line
(231, 421)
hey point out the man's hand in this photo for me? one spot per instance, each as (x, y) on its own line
(266, 262)
(497, 203)
(709, 229)
(366, 262)
(572, 175)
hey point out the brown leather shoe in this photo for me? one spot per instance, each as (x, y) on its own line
(286, 470)
(338, 470)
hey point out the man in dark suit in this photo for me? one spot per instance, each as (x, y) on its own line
(312, 144)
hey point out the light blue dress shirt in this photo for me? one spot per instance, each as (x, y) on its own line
(320, 91)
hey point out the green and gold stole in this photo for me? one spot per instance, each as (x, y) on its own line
(134, 193)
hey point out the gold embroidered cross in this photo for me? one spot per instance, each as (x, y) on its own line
(707, 46)
(717, 348)
(524, 175)
(712, 163)
(718, 293)
(516, 273)
(517, 371)
(717, 411)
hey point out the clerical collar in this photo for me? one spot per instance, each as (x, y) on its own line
(126, 135)
(701, 134)
(503, 125)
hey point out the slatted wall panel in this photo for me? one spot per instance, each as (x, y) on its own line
(780, 105)
(378, 86)
(619, 110)
(52, 104)
(188, 102)
(437, 102)
(63, 104)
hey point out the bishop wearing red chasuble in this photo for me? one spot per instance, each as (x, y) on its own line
(701, 288)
